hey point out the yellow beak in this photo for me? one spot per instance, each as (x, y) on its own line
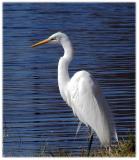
(40, 43)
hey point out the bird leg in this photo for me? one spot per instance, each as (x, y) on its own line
(78, 128)
(79, 125)
(90, 141)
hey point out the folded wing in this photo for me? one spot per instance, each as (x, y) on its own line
(89, 105)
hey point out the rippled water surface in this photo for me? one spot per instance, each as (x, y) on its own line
(104, 44)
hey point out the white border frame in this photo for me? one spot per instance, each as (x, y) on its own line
(137, 78)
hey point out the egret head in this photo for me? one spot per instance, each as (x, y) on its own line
(58, 37)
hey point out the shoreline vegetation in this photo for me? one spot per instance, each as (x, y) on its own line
(124, 148)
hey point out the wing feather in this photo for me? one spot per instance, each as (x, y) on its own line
(89, 105)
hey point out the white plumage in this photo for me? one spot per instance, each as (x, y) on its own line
(83, 94)
(88, 105)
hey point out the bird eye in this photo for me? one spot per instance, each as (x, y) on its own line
(53, 38)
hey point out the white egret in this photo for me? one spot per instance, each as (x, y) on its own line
(83, 94)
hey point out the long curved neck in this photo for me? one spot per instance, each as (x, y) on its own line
(63, 74)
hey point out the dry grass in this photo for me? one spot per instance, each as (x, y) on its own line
(124, 148)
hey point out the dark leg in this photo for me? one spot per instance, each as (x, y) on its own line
(90, 142)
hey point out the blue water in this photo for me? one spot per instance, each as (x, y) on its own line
(34, 114)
